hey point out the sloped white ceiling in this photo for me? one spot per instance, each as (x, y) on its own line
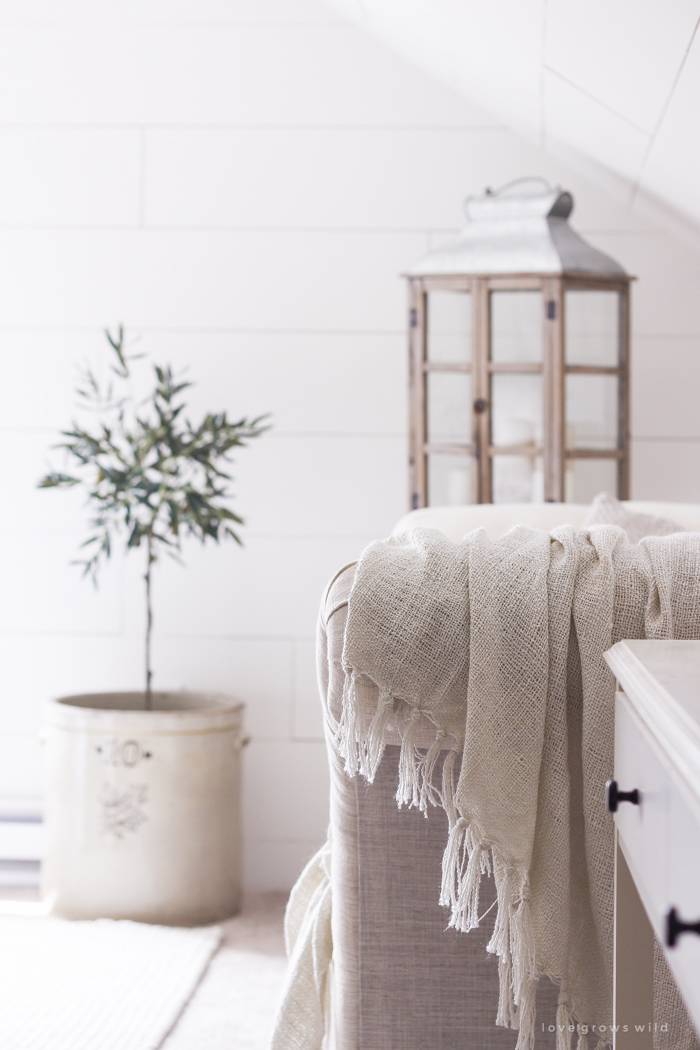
(611, 85)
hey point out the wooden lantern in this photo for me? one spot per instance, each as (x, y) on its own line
(519, 349)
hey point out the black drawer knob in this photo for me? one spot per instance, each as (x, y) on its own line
(675, 927)
(613, 796)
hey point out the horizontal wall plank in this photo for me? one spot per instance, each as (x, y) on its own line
(318, 281)
(340, 178)
(309, 382)
(37, 668)
(211, 73)
(70, 177)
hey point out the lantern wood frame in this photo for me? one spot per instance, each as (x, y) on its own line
(552, 367)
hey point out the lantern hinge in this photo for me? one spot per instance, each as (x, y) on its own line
(551, 310)
(414, 317)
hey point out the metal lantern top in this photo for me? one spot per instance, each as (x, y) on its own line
(517, 233)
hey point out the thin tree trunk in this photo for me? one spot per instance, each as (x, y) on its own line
(149, 625)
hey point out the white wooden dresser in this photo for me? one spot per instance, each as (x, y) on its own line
(655, 797)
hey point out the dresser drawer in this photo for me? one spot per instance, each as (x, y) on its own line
(684, 894)
(657, 751)
(661, 841)
(644, 828)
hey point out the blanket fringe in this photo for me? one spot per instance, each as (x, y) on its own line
(564, 1021)
(359, 744)
(347, 735)
(416, 769)
(507, 1015)
(408, 791)
(374, 747)
(466, 912)
(428, 792)
(362, 747)
(514, 943)
(452, 866)
(465, 860)
(526, 1016)
(449, 789)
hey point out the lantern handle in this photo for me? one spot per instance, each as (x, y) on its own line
(488, 192)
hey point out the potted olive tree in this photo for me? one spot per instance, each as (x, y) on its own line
(142, 811)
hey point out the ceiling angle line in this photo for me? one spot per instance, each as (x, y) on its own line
(664, 109)
(594, 98)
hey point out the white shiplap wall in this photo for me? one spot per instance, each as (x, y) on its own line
(241, 184)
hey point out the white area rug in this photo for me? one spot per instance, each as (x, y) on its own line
(100, 985)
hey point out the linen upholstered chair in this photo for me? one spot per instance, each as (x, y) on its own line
(400, 979)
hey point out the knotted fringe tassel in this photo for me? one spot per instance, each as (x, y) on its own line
(408, 791)
(583, 1043)
(526, 1016)
(500, 946)
(428, 792)
(453, 865)
(464, 861)
(514, 944)
(466, 913)
(564, 1021)
(374, 742)
(507, 1014)
(417, 768)
(361, 745)
(453, 855)
(347, 734)
(448, 789)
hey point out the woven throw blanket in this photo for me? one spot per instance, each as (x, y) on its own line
(498, 647)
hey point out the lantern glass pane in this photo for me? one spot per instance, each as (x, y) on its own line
(517, 479)
(516, 325)
(585, 478)
(592, 327)
(516, 409)
(591, 411)
(448, 400)
(449, 326)
(449, 479)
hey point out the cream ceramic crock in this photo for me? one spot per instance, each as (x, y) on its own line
(143, 807)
